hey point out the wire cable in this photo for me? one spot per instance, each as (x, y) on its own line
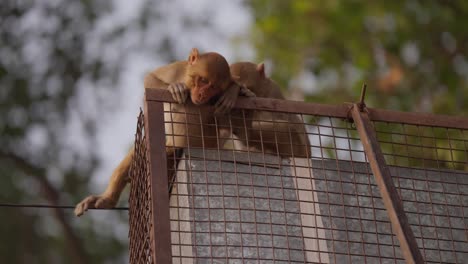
(54, 206)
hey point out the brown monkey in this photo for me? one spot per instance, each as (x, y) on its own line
(273, 132)
(204, 77)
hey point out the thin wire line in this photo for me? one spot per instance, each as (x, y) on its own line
(54, 206)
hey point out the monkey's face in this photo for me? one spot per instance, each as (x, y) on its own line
(207, 78)
(203, 89)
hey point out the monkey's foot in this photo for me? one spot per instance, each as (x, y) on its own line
(94, 201)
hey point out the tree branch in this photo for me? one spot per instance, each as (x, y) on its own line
(73, 241)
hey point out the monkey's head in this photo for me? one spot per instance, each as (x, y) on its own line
(207, 76)
(248, 74)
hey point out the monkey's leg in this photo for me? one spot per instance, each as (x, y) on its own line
(110, 196)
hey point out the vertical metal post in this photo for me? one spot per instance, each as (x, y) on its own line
(156, 142)
(387, 189)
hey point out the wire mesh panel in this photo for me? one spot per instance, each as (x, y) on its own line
(140, 201)
(315, 201)
(292, 184)
(432, 180)
(339, 185)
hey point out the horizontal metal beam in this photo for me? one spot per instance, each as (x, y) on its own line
(339, 111)
(419, 119)
(267, 104)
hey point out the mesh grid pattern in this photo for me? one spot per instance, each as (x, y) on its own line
(236, 201)
(434, 190)
(245, 206)
(140, 201)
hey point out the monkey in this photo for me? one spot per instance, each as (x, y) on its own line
(270, 132)
(203, 78)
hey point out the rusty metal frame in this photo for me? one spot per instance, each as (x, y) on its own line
(340, 111)
(389, 193)
(156, 140)
(362, 117)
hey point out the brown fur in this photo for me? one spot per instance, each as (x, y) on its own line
(273, 132)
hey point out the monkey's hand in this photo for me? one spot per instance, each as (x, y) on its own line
(179, 92)
(94, 201)
(228, 99)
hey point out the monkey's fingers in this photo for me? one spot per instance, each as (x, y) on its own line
(173, 89)
(84, 205)
(227, 100)
(178, 92)
(183, 93)
(227, 106)
(222, 106)
(175, 92)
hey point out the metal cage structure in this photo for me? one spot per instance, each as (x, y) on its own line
(374, 186)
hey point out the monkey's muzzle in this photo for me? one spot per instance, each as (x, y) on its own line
(203, 94)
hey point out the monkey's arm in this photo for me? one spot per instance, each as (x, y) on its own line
(109, 198)
(165, 75)
(153, 81)
(169, 77)
(227, 101)
(119, 177)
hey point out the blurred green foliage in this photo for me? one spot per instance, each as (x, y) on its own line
(412, 54)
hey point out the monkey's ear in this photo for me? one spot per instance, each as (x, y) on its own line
(261, 69)
(193, 57)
